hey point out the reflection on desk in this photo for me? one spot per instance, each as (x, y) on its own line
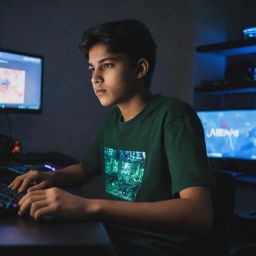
(25, 236)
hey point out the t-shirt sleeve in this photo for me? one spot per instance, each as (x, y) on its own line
(92, 160)
(186, 153)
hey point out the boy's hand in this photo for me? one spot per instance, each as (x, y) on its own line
(41, 180)
(54, 202)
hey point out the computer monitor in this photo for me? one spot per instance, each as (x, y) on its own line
(230, 135)
(20, 81)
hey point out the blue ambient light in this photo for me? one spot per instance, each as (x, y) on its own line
(249, 32)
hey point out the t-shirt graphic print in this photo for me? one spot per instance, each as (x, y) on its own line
(124, 171)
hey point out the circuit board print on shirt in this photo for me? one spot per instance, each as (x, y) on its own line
(123, 172)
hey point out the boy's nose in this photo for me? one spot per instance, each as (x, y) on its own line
(96, 78)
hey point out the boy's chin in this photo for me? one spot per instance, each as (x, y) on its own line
(106, 103)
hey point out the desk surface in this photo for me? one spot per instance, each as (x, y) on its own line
(49, 236)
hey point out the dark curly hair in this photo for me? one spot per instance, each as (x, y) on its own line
(124, 36)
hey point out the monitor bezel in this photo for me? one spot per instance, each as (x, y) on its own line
(21, 110)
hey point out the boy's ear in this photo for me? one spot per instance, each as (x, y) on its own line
(142, 68)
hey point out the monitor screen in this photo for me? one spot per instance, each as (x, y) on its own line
(230, 133)
(20, 81)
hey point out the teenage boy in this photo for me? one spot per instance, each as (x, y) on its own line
(150, 149)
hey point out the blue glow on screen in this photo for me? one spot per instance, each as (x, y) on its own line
(230, 133)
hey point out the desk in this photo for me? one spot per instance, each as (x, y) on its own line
(25, 236)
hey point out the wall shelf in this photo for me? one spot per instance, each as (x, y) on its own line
(230, 48)
(220, 92)
(225, 96)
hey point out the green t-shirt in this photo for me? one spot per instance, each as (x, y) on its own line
(150, 158)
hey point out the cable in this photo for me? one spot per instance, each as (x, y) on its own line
(9, 122)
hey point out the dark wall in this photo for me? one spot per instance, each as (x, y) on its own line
(52, 28)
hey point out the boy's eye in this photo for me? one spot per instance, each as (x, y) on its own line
(107, 65)
(104, 66)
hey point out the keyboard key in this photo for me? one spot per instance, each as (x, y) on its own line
(9, 198)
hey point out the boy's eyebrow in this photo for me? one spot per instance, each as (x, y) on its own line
(103, 60)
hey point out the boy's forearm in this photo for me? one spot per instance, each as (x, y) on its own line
(176, 215)
(70, 175)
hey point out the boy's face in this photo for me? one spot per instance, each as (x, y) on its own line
(113, 78)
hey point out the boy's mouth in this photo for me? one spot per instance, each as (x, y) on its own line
(100, 91)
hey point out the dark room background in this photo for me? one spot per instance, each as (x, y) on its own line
(71, 113)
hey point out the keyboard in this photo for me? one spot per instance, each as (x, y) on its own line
(9, 199)
(25, 168)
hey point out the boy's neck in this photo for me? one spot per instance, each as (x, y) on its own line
(135, 105)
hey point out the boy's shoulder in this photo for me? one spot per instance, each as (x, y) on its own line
(174, 106)
(172, 101)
